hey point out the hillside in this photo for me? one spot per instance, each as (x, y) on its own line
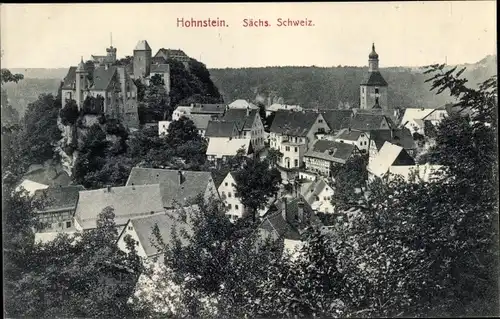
(327, 87)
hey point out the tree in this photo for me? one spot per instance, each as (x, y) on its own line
(7, 76)
(156, 99)
(182, 131)
(349, 181)
(429, 129)
(274, 156)
(69, 113)
(40, 127)
(262, 111)
(256, 183)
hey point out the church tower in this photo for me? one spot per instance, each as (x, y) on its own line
(373, 88)
(111, 52)
(142, 59)
(80, 83)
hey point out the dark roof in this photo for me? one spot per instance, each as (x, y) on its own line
(349, 135)
(160, 68)
(374, 79)
(193, 183)
(102, 77)
(401, 137)
(293, 123)
(239, 116)
(171, 52)
(368, 122)
(289, 228)
(200, 120)
(337, 119)
(220, 129)
(373, 54)
(59, 197)
(69, 79)
(209, 108)
(331, 151)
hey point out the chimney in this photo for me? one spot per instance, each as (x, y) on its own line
(108, 188)
(180, 177)
(392, 134)
(248, 110)
(192, 104)
(284, 208)
(300, 211)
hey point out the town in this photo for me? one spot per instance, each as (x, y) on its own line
(138, 191)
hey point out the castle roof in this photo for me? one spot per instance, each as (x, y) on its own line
(69, 79)
(102, 77)
(142, 46)
(373, 54)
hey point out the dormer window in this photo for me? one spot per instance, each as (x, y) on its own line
(376, 91)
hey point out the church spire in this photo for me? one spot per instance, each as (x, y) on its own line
(373, 60)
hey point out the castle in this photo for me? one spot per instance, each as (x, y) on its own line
(112, 84)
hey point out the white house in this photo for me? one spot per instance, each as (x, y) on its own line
(277, 106)
(221, 148)
(181, 111)
(389, 155)
(358, 138)
(414, 118)
(318, 194)
(293, 133)
(163, 127)
(436, 116)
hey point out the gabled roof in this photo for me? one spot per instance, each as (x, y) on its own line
(293, 123)
(337, 119)
(240, 118)
(220, 147)
(102, 78)
(127, 201)
(374, 79)
(30, 186)
(172, 191)
(369, 122)
(208, 108)
(69, 79)
(242, 104)
(200, 120)
(160, 68)
(348, 135)
(171, 52)
(51, 176)
(221, 129)
(388, 156)
(142, 45)
(312, 190)
(62, 197)
(401, 137)
(143, 226)
(287, 228)
(331, 151)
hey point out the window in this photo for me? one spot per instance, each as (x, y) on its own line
(223, 193)
(362, 90)
(376, 90)
(229, 206)
(296, 162)
(236, 206)
(320, 121)
(68, 224)
(129, 228)
(225, 184)
(296, 150)
(228, 194)
(287, 148)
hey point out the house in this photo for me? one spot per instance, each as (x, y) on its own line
(325, 154)
(401, 137)
(200, 122)
(164, 54)
(235, 209)
(436, 116)
(44, 176)
(243, 105)
(293, 133)
(277, 106)
(216, 110)
(358, 138)
(113, 88)
(181, 111)
(413, 119)
(249, 125)
(287, 222)
(163, 127)
(127, 202)
(369, 122)
(318, 194)
(220, 149)
(178, 188)
(140, 229)
(59, 205)
(221, 129)
(389, 155)
(337, 119)
(425, 173)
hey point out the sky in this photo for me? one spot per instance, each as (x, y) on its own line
(404, 33)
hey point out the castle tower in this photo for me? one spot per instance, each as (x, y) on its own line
(142, 59)
(80, 83)
(373, 88)
(111, 52)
